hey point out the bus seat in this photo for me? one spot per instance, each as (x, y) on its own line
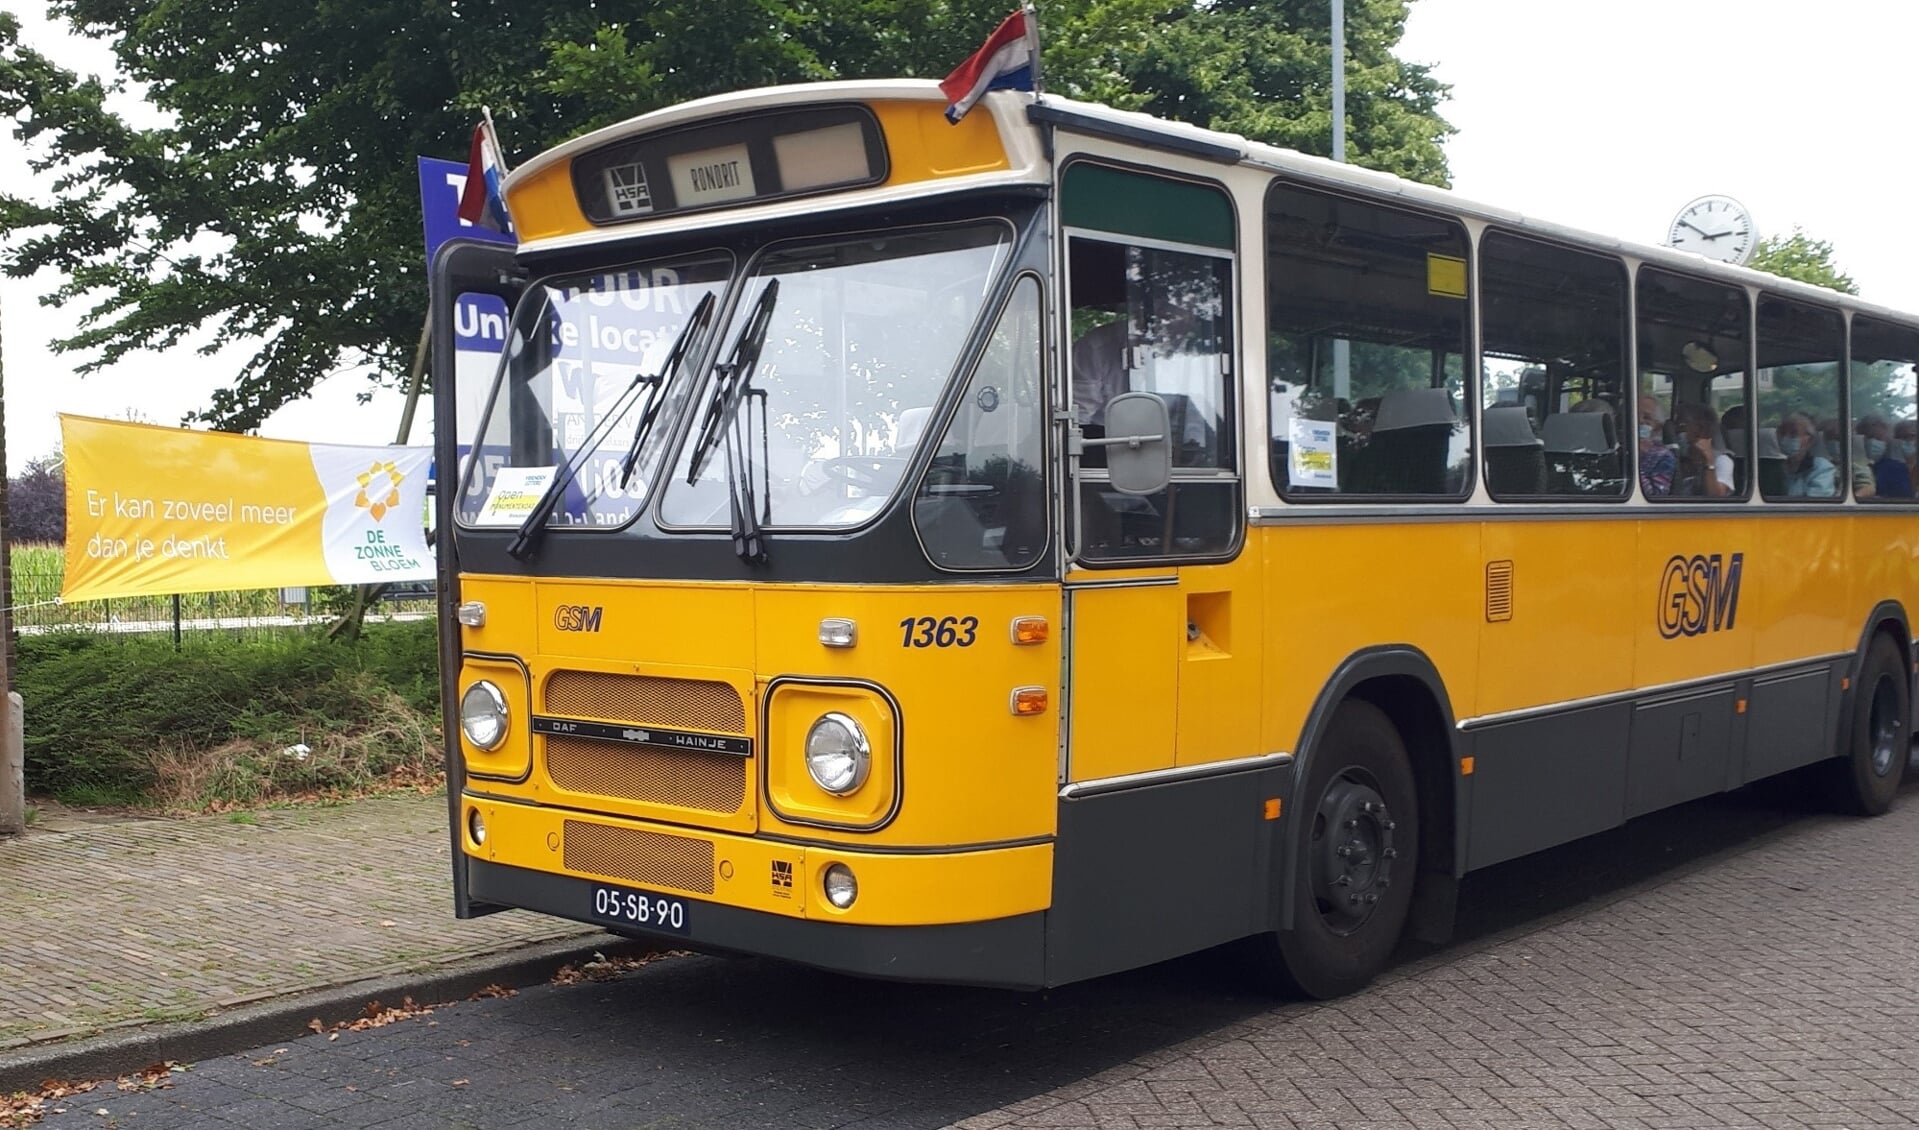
(1515, 458)
(911, 428)
(1582, 450)
(1411, 436)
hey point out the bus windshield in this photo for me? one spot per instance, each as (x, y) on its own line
(584, 366)
(864, 333)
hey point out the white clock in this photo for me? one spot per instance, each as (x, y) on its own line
(1717, 227)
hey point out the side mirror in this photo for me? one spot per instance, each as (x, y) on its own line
(1139, 456)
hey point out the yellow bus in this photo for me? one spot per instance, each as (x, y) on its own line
(1015, 551)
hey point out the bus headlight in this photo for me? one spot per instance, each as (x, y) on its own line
(838, 755)
(483, 715)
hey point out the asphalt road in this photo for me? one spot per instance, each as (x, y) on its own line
(1735, 962)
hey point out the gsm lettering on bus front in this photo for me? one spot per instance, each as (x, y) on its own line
(577, 617)
(1699, 594)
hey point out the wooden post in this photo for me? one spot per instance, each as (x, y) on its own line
(13, 765)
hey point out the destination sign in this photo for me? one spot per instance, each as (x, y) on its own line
(764, 156)
(712, 176)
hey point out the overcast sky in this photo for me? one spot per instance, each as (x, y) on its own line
(1604, 115)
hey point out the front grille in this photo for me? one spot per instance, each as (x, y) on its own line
(678, 704)
(647, 858)
(708, 782)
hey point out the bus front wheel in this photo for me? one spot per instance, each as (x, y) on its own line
(1879, 739)
(1354, 859)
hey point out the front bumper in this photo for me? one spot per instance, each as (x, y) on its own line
(1004, 952)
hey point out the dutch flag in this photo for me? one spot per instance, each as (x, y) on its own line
(482, 202)
(1006, 61)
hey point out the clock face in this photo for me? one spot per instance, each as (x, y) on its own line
(1717, 227)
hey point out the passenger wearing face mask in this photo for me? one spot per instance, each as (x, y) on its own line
(1891, 477)
(1656, 461)
(1704, 470)
(1808, 473)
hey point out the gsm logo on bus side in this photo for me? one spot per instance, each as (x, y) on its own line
(577, 617)
(1699, 594)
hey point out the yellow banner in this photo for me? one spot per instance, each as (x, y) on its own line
(153, 511)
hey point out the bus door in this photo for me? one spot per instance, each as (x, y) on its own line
(1161, 673)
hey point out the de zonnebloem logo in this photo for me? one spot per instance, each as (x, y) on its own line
(379, 489)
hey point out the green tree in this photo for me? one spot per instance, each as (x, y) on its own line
(1802, 258)
(278, 201)
(1879, 388)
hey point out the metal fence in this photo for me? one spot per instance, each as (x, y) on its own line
(37, 608)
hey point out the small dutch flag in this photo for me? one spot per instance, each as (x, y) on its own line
(482, 202)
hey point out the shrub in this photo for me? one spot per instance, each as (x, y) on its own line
(129, 717)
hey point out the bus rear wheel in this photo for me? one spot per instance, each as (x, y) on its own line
(1354, 859)
(1879, 739)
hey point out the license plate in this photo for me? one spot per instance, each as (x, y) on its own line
(641, 910)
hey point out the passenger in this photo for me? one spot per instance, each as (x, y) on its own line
(1732, 428)
(1863, 484)
(1099, 371)
(1808, 473)
(1704, 470)
(1890, 475)
(1656, 461)
(1905, 440)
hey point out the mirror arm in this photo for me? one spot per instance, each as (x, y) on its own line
(1133, 442)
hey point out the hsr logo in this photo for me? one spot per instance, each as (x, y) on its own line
(1699, 594)
(577, 617)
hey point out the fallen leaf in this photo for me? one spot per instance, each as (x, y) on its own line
(315, 1025)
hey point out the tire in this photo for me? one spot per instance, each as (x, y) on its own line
(1355, 856)
(1865, 778)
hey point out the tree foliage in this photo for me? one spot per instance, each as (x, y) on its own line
(1802, 258)
(277, 203)
(37, 502)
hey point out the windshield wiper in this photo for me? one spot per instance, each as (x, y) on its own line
(733, 378)
(527, 538)
(701, 314)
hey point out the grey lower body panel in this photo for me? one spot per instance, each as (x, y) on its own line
(1154, 871)
(1551, 778)
(1001, 952)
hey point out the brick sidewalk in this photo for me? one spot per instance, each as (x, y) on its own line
(128, 923)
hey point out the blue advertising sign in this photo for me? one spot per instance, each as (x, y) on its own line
(479, 320)
(441, 183)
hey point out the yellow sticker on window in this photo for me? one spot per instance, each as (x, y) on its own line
(1445, 276)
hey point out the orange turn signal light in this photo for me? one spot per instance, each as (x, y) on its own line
(1028, 700)
(1029, 630)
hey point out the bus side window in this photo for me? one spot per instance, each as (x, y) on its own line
(1554, 369)
(1367, 309)
(1692, 380)
(1885, 365)
(1800, 347)
(1158, 320)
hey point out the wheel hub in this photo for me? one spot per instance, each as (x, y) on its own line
(1352, 853)
(1884, 722)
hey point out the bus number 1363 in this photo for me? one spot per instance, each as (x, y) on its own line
(947, 631)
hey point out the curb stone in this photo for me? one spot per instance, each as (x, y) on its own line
(121, 1051)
